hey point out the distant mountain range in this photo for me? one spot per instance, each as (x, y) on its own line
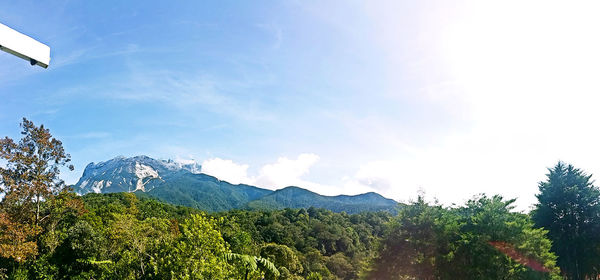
(183, 184)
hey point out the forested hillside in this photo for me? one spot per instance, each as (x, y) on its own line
(118, 236)
(295, 197)
(49, 232)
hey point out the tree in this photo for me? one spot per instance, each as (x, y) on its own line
(498, 243)
(198, 253)
(15, 239)
(284, 258)
(251, 264)
(340, 266)
(315, 263)
(482, 240)
(29, 177)
(410, 244)
(569, 208)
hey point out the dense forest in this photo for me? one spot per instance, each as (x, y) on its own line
(49, 232)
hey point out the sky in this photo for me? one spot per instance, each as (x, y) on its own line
(446, 98)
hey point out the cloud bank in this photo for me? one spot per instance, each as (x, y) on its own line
(286, 172)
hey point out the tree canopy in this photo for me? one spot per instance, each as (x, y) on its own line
(29, 177)
(48, 232)
(569, 209)
(470, 242)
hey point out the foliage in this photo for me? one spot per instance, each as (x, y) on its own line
(283, 257)
(569, 209)
(457, 243)
(16, 239)
(29, 177)
(305, 241)
(198, 252)
(295, 197)
(114, 239)
(250, 265)
(47, 232)
(204, 192)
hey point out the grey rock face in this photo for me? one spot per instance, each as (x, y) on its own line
(122, 174)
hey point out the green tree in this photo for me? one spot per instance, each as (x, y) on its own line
(484, 239)
(411, 243)
(29, 177)
(284, 258)
(569, 209)
(315, 263)
(250, 266)
(340, 266)
(198, 253)
(497, 243)
(82, 246)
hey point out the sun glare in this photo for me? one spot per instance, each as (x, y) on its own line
(530, 51)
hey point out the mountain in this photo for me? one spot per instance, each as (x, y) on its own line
(205, 192)
(123, 174)
(183, 184)
(295, 197)
(167, 181)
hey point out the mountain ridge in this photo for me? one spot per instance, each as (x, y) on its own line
(184, 184)
(296, 197)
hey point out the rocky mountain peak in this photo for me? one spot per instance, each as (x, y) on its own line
(128, 174)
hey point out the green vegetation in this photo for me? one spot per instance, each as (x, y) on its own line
(569, 208)
(303, 242)
(48, 232)
(204, 192)
(120, 236)
(481, 240)
(295, 197)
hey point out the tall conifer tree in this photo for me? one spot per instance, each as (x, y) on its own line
(569, 208)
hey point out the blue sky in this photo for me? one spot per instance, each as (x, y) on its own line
(450, 97)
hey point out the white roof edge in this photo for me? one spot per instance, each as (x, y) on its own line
(23, 46)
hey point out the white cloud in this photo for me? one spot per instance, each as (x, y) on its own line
(379, 175)
(287, 172)
(185, 160)
(396, 179)
(227, 170)
(282, 173)
(291, 172)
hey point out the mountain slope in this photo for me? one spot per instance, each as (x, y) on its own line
(205, 192)
(166, 181)
(123, 174)
(183, 184)
(295, 197)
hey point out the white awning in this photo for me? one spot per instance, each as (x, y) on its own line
(23, 46)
